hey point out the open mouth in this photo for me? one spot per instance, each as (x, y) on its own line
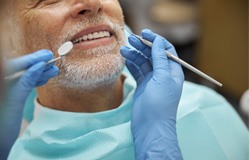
(92, 36)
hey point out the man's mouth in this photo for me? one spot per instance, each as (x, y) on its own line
(93, 36)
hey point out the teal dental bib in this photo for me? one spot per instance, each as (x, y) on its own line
(207, 128)
(56, 134)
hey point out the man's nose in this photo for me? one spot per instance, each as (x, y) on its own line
(84, 7)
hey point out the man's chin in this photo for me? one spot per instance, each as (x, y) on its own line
(99, 72)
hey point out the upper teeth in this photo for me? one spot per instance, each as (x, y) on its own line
(93, 35)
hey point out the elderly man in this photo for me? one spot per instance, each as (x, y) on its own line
(87, 111)
(90, 81)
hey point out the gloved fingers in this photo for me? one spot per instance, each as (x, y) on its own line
(161, 65)
(134, 55)
(175, 68)
(176, 72)
(149, 35)
(41, 83)
(134, 70)
(146, 68)
(137, 58)
(49, 66)
(26, 61)
(136, 43)
(29, 79)
(46, 75)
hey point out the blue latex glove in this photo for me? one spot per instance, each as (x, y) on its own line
(159, 87)
(37, 74)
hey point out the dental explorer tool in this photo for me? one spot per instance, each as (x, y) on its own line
(178, 60)
(64, 49)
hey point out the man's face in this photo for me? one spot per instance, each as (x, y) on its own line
(94, 26)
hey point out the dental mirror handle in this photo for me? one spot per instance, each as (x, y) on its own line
(53, 60)
(20, 73)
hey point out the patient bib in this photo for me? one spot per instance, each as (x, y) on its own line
(57, 134)
(208, 128)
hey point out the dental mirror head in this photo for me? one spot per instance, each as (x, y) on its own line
(65, 48)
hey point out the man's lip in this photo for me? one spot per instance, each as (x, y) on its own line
(94, 43)
(92, 29)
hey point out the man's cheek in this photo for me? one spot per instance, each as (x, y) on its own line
(120, 17)
(114, 11)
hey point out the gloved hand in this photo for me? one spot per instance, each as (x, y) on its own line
(37, 74)
(159, 87)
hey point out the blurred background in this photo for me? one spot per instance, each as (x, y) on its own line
(212, 35)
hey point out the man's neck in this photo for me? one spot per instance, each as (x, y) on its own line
(97, 100)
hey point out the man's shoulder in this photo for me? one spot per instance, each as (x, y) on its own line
(198, 97)
(208, 127)
(198, 93)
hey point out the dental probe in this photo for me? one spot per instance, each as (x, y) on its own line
(180, 61)
(62, 51)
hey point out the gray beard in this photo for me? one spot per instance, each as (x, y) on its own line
(103, 69)
(102, 66)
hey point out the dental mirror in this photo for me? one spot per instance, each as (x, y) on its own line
(64, 49)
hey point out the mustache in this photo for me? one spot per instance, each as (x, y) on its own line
(86, 23)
